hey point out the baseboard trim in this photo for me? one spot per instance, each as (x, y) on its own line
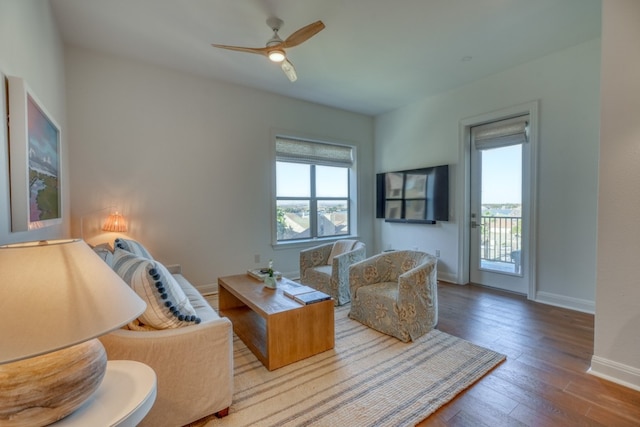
(211, 288)
(446, 277)
(571, 303)
(291, 275)
(618, 373)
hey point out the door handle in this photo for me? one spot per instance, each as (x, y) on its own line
(474, 224)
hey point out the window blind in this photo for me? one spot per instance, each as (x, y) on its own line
(501, 134)
(309, 152)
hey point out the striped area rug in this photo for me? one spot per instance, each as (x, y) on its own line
(368, 379)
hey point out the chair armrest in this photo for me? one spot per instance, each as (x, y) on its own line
(340, 272)
(174, 268)
(194, 366)
(342, 262)
(364, 272)
(417, 284)
(205, 336)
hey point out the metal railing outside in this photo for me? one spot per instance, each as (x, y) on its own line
(500, 239)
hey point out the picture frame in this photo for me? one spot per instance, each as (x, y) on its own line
(393, 209)
(35, 167)
(393, 185)
(415, 186)
(414, 209)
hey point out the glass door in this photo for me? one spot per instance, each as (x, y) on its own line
(498, 231)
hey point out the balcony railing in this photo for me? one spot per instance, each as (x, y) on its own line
(500, 239)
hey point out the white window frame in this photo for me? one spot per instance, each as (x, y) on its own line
(352, 197)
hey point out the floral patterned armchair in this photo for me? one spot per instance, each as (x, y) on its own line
(326, 267)
(396, 293)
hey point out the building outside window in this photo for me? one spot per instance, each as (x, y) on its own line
(313, 196)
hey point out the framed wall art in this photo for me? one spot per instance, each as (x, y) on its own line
(415, 185)
(393, 209)
(393, 185)
(34, 157)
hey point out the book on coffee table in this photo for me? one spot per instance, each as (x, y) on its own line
(311, 297)
(261, 273)
(301, 293)
(291, 289)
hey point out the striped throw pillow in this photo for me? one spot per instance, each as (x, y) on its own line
(132, 246)
(167, 305)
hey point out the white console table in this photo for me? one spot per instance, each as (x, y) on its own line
(125, 396)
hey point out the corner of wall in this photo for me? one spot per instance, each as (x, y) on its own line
(577, 304)
(618, 373)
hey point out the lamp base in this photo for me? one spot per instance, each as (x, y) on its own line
(44, 389)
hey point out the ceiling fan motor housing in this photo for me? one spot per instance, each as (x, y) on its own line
(277, 54)
(274, 23)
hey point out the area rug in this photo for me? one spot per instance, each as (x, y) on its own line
(368, 379)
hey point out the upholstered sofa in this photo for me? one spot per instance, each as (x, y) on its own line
(326, 267)
(396, 293)
(193, 362)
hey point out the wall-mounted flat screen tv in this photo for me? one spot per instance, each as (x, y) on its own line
(415, 195)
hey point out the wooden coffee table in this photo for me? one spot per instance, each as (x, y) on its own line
(278, 330)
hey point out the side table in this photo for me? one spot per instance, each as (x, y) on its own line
(124, 397)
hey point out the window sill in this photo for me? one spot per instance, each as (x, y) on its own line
(308, 243)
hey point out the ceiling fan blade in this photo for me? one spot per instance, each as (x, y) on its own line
(289, 70)
(303, 34)
(258, 50)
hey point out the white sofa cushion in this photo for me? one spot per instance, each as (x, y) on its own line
(167, 304)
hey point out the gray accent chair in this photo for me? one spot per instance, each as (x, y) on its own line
(396, 293)
(326, 267)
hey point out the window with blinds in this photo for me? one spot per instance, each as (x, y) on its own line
(502, 133)
(313, 181)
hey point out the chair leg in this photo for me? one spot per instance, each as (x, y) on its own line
(222, 413)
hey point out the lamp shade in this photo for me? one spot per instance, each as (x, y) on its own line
(57, 294)
(115, 223)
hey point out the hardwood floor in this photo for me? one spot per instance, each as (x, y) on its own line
(543, 381)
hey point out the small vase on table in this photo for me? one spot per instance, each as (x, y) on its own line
(270, 281)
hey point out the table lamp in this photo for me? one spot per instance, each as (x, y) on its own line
(115, 223)
(56, 297)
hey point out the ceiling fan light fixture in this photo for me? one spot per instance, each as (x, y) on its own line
(277, 55)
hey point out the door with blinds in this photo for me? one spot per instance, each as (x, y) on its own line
(499, 232)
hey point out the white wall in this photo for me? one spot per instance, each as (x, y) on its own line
(189, 160)
(427, 133)
(31, 48)
(617, 344)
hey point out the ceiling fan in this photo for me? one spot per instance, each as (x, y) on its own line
(275, 48)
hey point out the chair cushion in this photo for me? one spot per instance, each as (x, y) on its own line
(340, 247)
(322, 270)
(167, 305)
(319, 278)
(379, 291)
(132, 246)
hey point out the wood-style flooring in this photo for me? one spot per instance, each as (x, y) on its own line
(544, 381)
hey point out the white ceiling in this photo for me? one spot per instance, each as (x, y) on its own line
(373, 56)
